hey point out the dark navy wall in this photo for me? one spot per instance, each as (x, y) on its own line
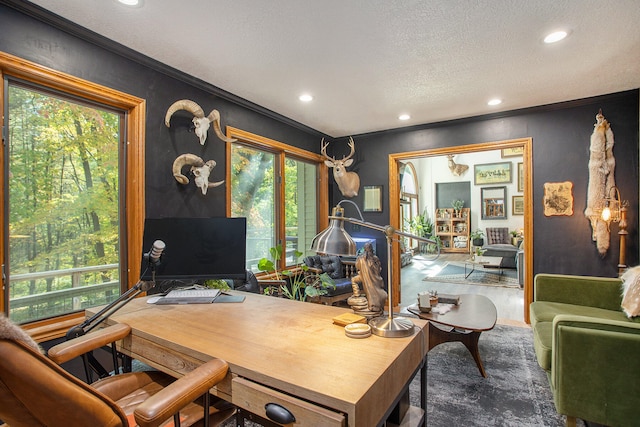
(39, 40)
(561, 135)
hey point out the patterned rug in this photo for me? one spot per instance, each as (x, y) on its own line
(455, 272)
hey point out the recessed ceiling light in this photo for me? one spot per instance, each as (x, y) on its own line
(495, 101)
(404, 117)
(131, 2)
(555, 36)
(305, 97)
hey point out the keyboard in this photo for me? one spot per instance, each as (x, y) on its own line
(190, 296)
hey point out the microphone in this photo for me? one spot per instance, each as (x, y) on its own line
(156, 252)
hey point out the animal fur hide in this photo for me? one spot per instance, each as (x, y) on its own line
(11, 331)
(601, 179)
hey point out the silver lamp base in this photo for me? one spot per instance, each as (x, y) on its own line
(391, 328)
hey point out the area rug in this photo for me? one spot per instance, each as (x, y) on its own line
(515, 393)
(455, 272)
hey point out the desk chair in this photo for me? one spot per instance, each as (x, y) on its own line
(36, 392)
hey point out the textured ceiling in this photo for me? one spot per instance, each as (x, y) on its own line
(367, 61)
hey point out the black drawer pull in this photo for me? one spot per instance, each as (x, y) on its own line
(279, 414)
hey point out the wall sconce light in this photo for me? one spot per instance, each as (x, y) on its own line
(336, 241)
(613, 209)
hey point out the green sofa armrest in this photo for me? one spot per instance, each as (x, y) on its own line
(600, 292)
(595, 368)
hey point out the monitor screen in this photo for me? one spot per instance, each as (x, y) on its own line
(196, 249)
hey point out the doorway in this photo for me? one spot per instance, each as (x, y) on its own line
(522, 146)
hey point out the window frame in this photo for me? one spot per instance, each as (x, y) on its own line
(281, 150)
(134, 109)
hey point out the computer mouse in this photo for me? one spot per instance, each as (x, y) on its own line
(153, 300)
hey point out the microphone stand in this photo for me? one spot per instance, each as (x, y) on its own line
(89, 360)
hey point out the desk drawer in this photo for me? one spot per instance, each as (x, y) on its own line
(254, 397)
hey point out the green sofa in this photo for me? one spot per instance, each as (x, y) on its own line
(589, 348)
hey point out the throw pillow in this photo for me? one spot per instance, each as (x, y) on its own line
(631, 292)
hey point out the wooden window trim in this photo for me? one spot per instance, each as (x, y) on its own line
(135, 110)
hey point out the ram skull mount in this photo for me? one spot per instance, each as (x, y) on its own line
(199, 168)
(200, 122)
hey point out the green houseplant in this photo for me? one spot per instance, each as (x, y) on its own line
(457, 205)
(298, 283)
(477, 237)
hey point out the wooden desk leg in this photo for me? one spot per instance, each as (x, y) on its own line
(470, 339)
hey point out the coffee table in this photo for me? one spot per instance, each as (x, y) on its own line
(463, 323)
(484, 262)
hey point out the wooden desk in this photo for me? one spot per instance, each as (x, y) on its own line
(282, 351)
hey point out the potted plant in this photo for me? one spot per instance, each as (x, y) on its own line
(477, 237)
(457, 205)
(295, 284)
(515, 236)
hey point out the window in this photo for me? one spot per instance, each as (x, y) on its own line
(67, 176)
(64, 191)
(277, 188)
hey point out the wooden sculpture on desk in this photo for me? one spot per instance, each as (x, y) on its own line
(369, 268)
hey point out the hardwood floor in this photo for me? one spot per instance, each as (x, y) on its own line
(509, 301)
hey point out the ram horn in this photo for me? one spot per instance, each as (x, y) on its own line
(184, 160)
(214, 117)
(183, 104)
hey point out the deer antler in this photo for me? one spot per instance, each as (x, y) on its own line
(352, 145)
(323, 150)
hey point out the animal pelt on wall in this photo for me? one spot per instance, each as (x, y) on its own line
(601, 179)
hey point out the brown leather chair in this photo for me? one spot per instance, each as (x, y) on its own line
(35, 391)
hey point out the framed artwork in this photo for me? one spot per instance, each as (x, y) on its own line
(512, 152)
(520, 177)
(373, 198)
(558, 198)
(517, 205)
(492, 173)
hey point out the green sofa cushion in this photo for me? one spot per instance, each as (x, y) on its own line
(542, 338)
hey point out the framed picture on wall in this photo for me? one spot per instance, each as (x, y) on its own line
(520, 177)
(373, 198)
(517, 205)
(492, 173)
(512, 152)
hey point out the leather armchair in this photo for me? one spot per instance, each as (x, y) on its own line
(35, 391)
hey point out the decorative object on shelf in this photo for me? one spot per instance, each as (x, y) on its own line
(336, 241)
(517, 205)
(492, 173)
(348, 182)
(456, 168)
(601, 180)
(558, 198)
(373, 198)
(457, 205)
(200, 122)
(199, 168)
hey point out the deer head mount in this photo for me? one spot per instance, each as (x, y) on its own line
(455, 168)
(348, 182)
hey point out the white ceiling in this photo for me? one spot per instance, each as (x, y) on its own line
(367, 61)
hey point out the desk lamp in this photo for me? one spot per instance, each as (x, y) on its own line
(334, 240)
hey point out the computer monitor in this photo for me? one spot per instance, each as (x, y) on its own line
(196, 249)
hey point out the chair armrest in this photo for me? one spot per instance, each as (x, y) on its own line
(593, 368)
(180, 393)
(78, 346)
(601, 292)
(312, 270)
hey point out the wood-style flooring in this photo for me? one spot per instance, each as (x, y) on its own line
(509, 301)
